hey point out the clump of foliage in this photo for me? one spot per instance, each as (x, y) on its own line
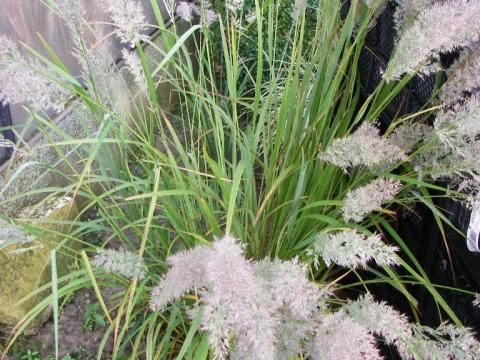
(284, 15)
(287, 158)
(93, 317)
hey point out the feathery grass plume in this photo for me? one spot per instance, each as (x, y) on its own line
(459, 342)
(383, 320)
(121, 262)
(380, 319)
(448, 341)
(298, 8)
(232, 283)
(184, 11)
(463, 79)
(72, 12)
(129, 18)
(452, 164)
(249, 307)
(454, 151)
(187, 272)
(289, 287)
(99, 73)
(251, 17)
(364, 147)
(407, 10)
(412, 340)
(339, 338)
(295, 302)
(349, 248)
(378, 7)
(439, 28)
(407, 136)
(250, 312)
(216, 322)
(25, 80)
(365, 199)
(291, 335)
(234, 5)
(459, 126)
(207, 15)
(135, 67)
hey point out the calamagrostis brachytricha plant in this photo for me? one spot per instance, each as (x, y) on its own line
(351, 249)
(129, 19)
(364, 147)
(121, 262)
(439, 28)
(363, 200)
(464, 77)
(247, 307)
(25, 80)
(265, 163)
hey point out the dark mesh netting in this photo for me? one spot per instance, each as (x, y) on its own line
(5, 131)
(380, 42)
(447, 262)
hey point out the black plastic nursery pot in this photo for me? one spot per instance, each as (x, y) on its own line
(445, 257)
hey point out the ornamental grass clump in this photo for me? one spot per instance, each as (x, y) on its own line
(270, 310)
(263, 133)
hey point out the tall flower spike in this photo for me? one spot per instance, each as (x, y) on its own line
(365, 199)
(135, 67)
(289, 288)
(187, 272)
(298, 8)
(457, 127)
(407, 10)
(26, 80)
(406, 136)
(339, 338)
(184, 11)
(73, 12)
(233, 283)
(129, 18)
(364, 147)
(207, 15)
(439, 28)
(352, 249)
(234, 5)
(121, 262)
(379, 318)
(464, 77)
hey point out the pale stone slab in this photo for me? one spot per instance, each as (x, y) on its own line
(25, 259)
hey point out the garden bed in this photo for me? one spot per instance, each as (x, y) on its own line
(257, 218)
